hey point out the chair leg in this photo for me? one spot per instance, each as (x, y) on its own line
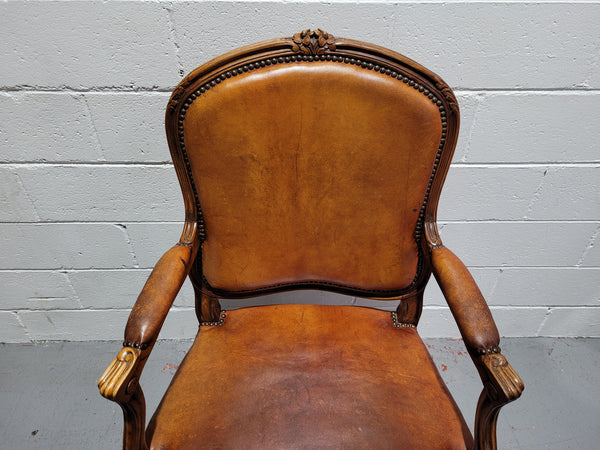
(501, 385)
(134, 414)
(486, 419)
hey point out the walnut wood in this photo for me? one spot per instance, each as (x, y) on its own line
(208, 308)
(410, 307)
(120, 383)
(501, 385)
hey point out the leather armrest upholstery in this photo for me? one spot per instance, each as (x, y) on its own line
(157, 296)
(466, 302)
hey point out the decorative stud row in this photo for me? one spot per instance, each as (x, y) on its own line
(310, 58)
(137, 345)
(218, 323)
(488, 350)
(399, 324)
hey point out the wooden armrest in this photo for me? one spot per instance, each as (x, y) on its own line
(120, 381)
(157, 296)
(466, 303)
(501, 384)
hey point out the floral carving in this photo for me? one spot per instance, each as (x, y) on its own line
(313, 42)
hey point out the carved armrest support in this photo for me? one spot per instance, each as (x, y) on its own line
(120, 383)
(501, 385)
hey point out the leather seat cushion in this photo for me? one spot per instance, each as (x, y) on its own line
(308, 376)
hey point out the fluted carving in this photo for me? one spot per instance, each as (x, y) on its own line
(501, 385)
(507, 384)
(119, 383)
(115, 383)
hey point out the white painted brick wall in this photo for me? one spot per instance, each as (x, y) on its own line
(89, 199)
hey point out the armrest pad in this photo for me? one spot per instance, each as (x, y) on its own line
(157, 296)
(464, 298)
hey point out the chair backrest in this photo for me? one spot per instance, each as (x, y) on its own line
(312, 161)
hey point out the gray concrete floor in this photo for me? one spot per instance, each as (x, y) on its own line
(49, 399)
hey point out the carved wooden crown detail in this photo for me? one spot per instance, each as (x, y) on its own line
(313, 42)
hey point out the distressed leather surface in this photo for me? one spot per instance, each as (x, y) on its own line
(309, 376)
(157, 296)
(465, 300)
(311, 172)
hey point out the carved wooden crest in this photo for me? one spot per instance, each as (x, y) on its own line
(313, 42)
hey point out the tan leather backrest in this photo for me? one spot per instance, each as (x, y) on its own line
(311, 173)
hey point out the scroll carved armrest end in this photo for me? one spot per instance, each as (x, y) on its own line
(120, 380)
(505, 384)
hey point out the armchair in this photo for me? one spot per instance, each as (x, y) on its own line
(310, 162)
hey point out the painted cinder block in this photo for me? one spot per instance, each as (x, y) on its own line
(518, 244)
(437, 321)
(89, 325)
(130, 125)
(567, 193)
(572, 322)
(591, 256)
(65, 126)
(151, 193)
(36, 290)
(87, 44)
(150, 241)
(79, 325)
(46, 126)
(117, 288)
(87, 82)
(547, 286)
(532, 127)
(63, 246)
(15, 204)
(102, 193)
(542, 45)
(489, 192)
(143, 44)
(515, 321)
(11, 329)
(521, 193)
